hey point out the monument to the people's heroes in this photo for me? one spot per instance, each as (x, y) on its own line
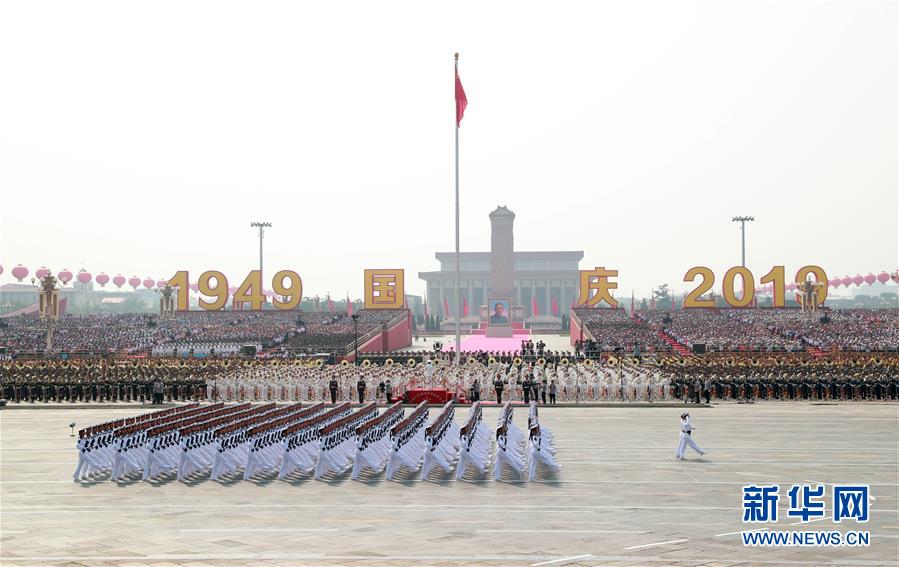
(502, 285)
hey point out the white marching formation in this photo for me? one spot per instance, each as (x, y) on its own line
(441, 442)
(510, 445)
(407, 442)
(477, 443)
(541, 445)
(223, 441)
(373, 441)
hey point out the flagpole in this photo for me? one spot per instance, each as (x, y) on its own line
(458, 322)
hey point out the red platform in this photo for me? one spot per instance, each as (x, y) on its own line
(431, 396)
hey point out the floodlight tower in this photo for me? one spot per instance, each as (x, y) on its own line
(262, 226)
(743, 221)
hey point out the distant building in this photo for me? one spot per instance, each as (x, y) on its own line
(80, 298)
(540, 275)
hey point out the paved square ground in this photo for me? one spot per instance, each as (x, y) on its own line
(621, 498)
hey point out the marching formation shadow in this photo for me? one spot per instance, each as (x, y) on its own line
(404, 476)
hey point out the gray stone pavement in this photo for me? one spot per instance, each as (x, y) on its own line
(620, 499)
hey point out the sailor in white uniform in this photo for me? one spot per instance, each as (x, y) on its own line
(686, 428)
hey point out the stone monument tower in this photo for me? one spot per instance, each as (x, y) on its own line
(502, 283)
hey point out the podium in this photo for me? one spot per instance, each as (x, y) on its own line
(428, 395)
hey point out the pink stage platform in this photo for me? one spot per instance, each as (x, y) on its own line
(482, 342)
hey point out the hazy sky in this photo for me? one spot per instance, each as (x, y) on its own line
(142, 138)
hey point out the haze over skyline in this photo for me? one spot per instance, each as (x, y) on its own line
(142, 139)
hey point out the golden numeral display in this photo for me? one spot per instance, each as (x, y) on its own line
(708, 280)
(775, 277)
(727, 287)
(293, 292)
(214, 285)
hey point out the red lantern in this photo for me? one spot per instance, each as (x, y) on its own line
(149, 282)
(847, 281)
(65, 276)
(41, 272)
(1, 269)
(160, 283)
(858, 280)
(134, 282)
(119, 280)
(102, 279)
(83, 276)
(20, 272)
(883, 277)
(895, 276)
(870, 279)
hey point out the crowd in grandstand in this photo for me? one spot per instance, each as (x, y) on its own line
(95, 332)
(612, 329)
(729, 330)
(325, 332)
(722, 330)
(855, 330)
(194, 332)
(607, 330)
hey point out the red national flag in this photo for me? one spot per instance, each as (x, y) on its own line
(445, 308)
(464, 306)
(461, 100)
(555, 307)
(330, 304)
(349, 305)
(534, 310)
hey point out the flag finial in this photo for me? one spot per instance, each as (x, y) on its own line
(457, 55)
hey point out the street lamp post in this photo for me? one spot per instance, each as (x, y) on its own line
(355, 318)
(743, 221)
(261, 225)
